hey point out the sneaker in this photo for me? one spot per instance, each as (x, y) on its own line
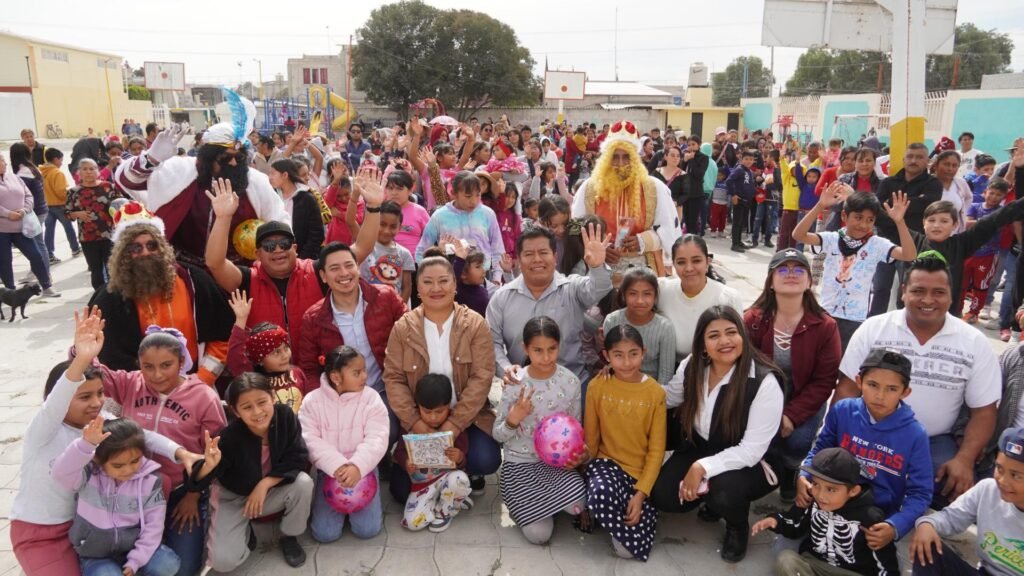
(1004, 334)
(738, 248)
(753, 244)
(54, 259)
(467, 504)
(734, 548)
(478, 484)
(49, 293)
(29, 278)
(985, 313)
(1014, 337)
(76, 253)
(971, 318)
(294, 555)
(440, 524)
(768, 244)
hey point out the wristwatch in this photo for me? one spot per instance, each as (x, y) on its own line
(372, 209)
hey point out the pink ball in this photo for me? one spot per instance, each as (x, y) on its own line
(349, 500)
(558, 439)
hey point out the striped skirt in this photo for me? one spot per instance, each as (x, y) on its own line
(609, 489)
(534, 491)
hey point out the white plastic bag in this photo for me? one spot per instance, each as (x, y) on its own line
(30, 225)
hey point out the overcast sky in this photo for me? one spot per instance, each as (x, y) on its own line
(657, 39)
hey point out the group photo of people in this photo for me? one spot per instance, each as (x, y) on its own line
(289, 329)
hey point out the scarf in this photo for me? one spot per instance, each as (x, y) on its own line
(850, 246)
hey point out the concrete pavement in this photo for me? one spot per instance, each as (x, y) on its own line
(481, 541)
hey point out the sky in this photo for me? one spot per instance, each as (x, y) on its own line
(657, 40)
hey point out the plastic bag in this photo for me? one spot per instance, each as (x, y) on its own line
(30, 225)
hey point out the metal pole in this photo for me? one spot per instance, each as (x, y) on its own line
(348, 84)
(616, 44)
(32, 93)
(259, 70)
(110, 98)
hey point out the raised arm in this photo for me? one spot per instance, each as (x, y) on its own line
(412, 148)
(225, 203)
(367, 183)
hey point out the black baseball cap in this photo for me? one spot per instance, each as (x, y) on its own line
(272, 228)
(1011, 443)
(835, 465)
(788, 255)
(888, 360)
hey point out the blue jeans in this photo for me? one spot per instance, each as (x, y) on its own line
(189, 545)
(944, 448)
(1007, 263)
(163, 562)
(326, 523)
(484, 453)
(791, 451)
(763, 221)
(30, 250)
(55, 215)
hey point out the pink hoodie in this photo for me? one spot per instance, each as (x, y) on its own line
(344, 428)
(182, 415)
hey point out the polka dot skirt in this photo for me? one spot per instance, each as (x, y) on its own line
(609, 489)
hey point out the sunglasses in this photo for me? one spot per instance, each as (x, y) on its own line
(797, 271)
(226, 158)
(272, 245)
(136, 248)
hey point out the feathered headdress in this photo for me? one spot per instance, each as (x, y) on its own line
(237, 129)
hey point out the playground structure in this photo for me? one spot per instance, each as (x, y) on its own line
(320, 109)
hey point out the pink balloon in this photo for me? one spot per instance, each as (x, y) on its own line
(558, 439)
(349, 500)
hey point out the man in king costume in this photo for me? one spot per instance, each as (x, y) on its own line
(174, 187)
(637, 209)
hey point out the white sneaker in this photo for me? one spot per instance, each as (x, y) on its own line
(29, 278)
(50, 293)
(985, 313)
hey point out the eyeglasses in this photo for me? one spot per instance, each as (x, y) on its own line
(226, 158)
(272, 245)
(136, 248)
(797, 271)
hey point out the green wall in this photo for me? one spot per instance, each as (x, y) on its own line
(758, 116)
(995, 122)
(849, 130)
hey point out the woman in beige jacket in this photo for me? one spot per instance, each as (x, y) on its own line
(442, 337)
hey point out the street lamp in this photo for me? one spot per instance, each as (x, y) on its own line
(259, 66)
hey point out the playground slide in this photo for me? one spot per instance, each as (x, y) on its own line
(345, 111)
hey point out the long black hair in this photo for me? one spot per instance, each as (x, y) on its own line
(22, 156)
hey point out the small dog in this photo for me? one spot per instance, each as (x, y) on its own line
(18, 299)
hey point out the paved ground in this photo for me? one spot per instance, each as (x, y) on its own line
(481, 541)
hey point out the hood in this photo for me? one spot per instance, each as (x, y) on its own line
(814, 169)
(705, 149)
(857, 507)
(903, 416)
(47, 169)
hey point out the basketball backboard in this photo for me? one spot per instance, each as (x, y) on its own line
(164, 76)
(851, 24)
(559, 85)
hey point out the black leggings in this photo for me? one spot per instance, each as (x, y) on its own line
(692, 210)
(729, 494)
(97, 252)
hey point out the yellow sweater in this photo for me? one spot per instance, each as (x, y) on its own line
(625, 422)
(790, 187)
(55, 185)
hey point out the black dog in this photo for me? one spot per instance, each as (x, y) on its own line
(17, 299)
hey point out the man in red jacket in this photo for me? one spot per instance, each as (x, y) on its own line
(282, 285)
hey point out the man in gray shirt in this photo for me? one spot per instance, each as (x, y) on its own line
(540, 291)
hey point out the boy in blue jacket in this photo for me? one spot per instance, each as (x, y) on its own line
(742, 189)
(888, 441)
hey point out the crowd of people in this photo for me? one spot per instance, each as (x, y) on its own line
(277, 315)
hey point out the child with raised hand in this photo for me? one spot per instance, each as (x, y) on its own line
(345, 426)
(43, 511)
(628, 445)
(437, 494)
(637, 300)
(995, 506)
(259, 463)
(470, 276)
(532, 490)
(399, 185)
(853, 253)
(164, 397)
(265, 349)
(980, 266)
(121, 506)
(831, 539)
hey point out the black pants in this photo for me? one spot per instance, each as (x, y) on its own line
(949, 563)
(692, 210)
(729, 494)
(97, 252)
(740, 215)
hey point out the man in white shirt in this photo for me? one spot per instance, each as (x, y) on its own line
(953, 366)
(967, 153)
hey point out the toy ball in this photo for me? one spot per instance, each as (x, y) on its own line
(558, 439)
(349, 500)
(244, 238)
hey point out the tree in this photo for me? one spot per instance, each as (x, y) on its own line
(409, 51)
(824, 71)
(980, 52)
(728, 84)
(138, 93)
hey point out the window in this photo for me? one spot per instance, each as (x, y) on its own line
(55, 55)
(105, 63)
(316, 75)
(323, 75)
(305, 75)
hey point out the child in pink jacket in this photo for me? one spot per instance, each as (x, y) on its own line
(120, 516)
(345, 426)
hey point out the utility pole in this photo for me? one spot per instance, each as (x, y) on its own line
(956, 70)
(259, 68)
(746, 73)
(615, 44)
(771, 66)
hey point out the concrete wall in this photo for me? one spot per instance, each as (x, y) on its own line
(759, 113)
(681, 120)
(13, 68)
(993, 115)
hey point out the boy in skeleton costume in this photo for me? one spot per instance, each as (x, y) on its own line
(175, 187)
(637, 209)
(832, 542)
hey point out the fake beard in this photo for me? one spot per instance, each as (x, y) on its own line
(623, 173)
(238, 176)
(146, 276)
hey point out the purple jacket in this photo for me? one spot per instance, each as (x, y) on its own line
(14, 197)
(112, 518)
